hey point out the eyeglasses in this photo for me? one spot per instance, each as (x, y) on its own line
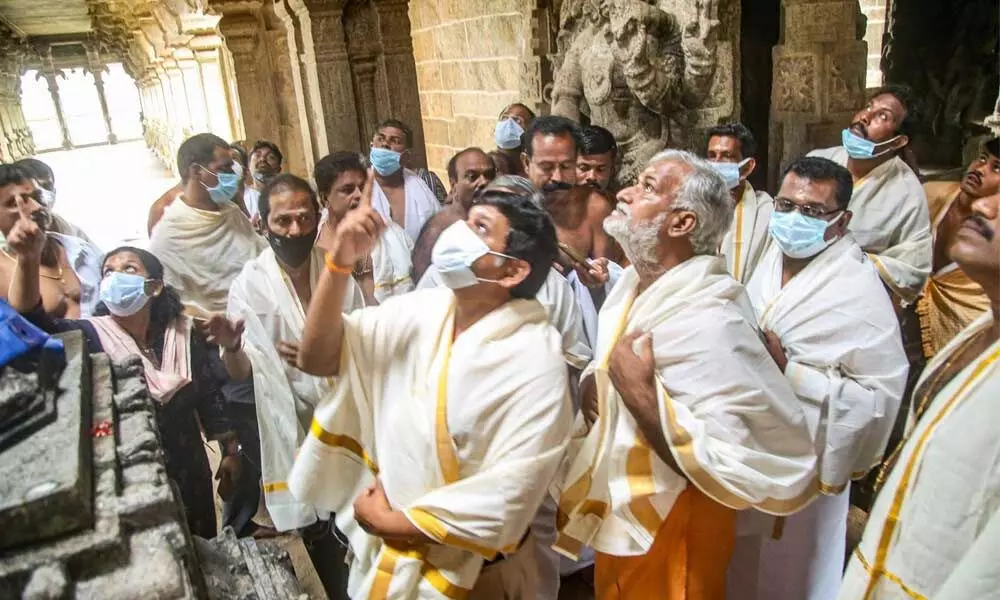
(815, 211)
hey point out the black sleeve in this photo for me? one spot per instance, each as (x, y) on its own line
(208, 375)
(39, 318)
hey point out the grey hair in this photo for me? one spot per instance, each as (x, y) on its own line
(515, 184)
(705, 194)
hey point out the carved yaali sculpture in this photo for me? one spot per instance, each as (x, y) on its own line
(632, 68)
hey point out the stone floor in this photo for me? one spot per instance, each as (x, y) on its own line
(107, 190)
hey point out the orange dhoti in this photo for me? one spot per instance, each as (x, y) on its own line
(687, 561)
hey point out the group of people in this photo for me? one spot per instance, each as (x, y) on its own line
(663, 386)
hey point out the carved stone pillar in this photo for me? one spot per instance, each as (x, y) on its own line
(819, 78)
(194, 92)
(240, 27)
(99, 84)
(400, 71)
(179, 92)
(207, 51)
(311, 130)
(51, 80)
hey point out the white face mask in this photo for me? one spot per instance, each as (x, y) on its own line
(456, 249)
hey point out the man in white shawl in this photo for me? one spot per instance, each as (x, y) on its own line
(891, 222)
(400, 195)
(686, 418)
(203, 239)
(731, 150)
(831, 328)
(386, 272)
(456, 398)
(934, 531)
(267, 309)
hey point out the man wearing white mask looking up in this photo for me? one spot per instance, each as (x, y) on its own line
(830, 327)
(450, 411)
(891, 221)
(731, 150)
(400, 195)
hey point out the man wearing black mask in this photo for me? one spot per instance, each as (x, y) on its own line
(260, 340)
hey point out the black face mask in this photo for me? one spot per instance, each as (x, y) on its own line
(293, 251)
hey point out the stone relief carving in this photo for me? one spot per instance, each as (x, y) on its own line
(795, 84)
(638, 68)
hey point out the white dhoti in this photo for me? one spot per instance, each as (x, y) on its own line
(464, 436)
(747, 238)
(203, 251)
(285, 397)
(848, 369)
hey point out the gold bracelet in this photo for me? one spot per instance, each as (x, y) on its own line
(333, 267)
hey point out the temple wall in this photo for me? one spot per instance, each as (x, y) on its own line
(469, 58)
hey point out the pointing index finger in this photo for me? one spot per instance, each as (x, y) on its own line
(366, 192)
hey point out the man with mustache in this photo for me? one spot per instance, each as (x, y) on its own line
(70, 267)
(934, 529)
(687, 418)
(952, 299)
(891, 221)
(265, 165)
(595, 165)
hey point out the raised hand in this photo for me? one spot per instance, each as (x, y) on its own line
(359, 230)
(220, 331)
(26, 238)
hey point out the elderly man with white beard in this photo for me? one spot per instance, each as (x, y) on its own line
(687, 419)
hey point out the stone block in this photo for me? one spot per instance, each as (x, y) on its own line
(45, 478)
(496, 36)
(453, 76)
(424, 46)
(429, 76)
(817, 22)
(796, 83)
(436, 104)
(845, 71)
(452, 42)
(436, 131)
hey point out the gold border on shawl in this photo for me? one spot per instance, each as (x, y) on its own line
(438, 581)
(392, 283)
(445, 450)
(906, 295)
(639, 470)
(738, 237)
(892, 516)
(680, 443)
(832, 490)
(277, 486)
(434, 528)
(915, 595)
(343, 441)
(576, 493)
(568, 546)
(386, 570)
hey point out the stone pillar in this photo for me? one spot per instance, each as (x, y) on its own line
(400, 71)
(194, 92)
(99, 84)
(309, 127)
(207, 51)
(179, 92)
(819, 78)
(240, 27)
(51, 80)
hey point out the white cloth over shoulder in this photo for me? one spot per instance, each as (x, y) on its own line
(421, 203)
(203, 251)
(747, 238)
(463, 434)
(559, 301)
(891, 223)
(934, 531)
(392, 265)
(730, 417)
(585, 301)
(845, 354)
(285, 397)
(86, 260)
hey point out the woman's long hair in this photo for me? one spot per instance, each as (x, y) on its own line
(163, 308)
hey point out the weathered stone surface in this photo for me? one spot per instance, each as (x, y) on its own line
(45, 478)
(48, 582)
(244, 569)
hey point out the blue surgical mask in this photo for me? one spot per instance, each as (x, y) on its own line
(730, 171)
(861, 148)
(124, 293)
(456, 249)
(799, 236)
(508, 134)
(385, 161)
(228, 183)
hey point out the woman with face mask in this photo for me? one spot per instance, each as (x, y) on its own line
(139, 316)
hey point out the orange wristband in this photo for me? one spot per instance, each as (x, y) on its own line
(334, 267)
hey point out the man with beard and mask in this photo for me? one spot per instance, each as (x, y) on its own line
(70, 267)
(267, 305)
(468, 172)
(935, 526)
(400, 195)
(203, 239)
(831, 329)
(265, 165)
(46, 180)
(385, 272)
(687, 420)
(451, 409)
(731, 150)
(952, 299)
(891, 221)
(512, 122)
